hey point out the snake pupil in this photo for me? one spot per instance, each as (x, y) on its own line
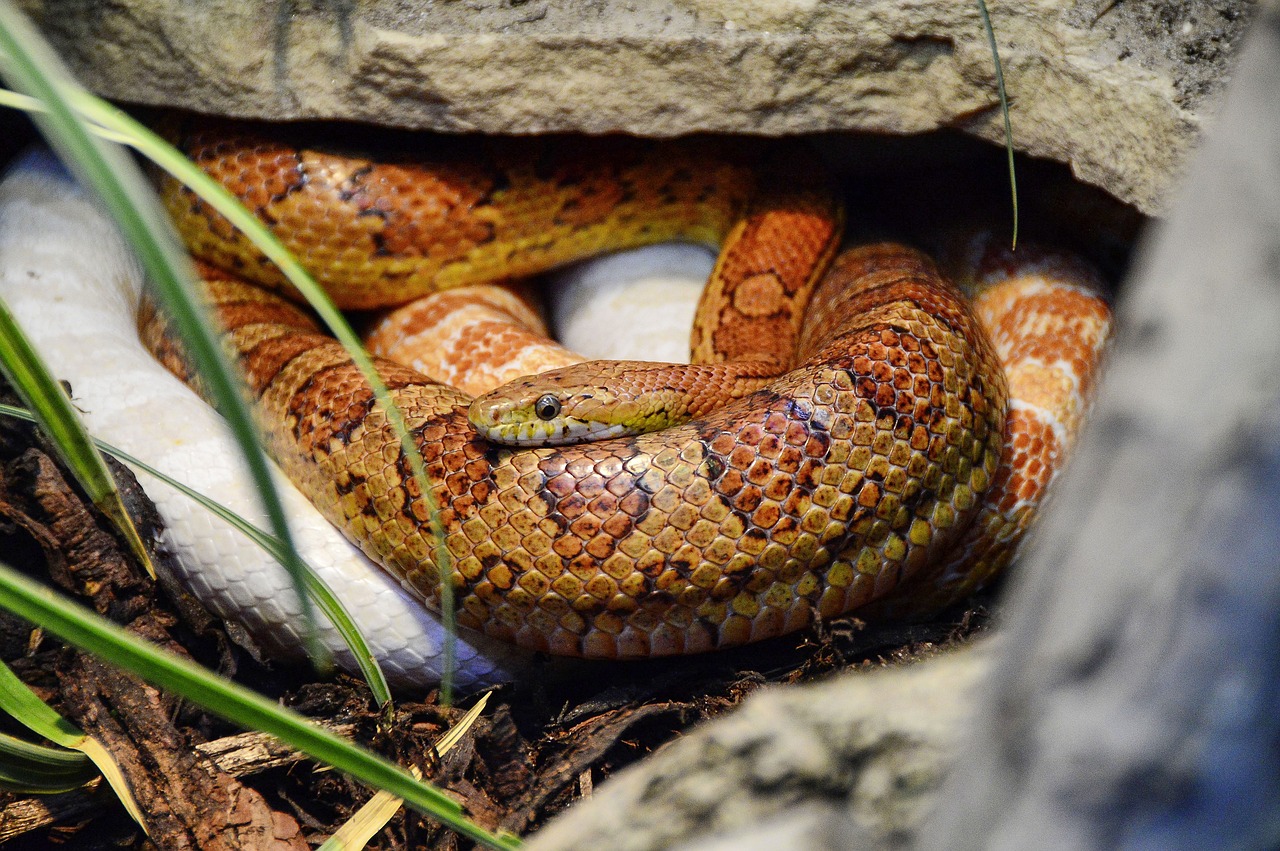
(547, 407)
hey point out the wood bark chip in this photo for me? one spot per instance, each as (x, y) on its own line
(189, 802)
(586, 744)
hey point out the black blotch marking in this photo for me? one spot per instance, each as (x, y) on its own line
(325, 411)
(354, 185)
(714, 465)
(348, 482)
(379, 241)
(922, 495)
(798, 411)
(772, 399)
(682, 566)
(302, 182)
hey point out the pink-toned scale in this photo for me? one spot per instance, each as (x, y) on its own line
(473, 338)
(1050, 324)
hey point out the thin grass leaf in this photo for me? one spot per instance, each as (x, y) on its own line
(153, 147)
(371, 818)
(27, 374)
(1004, 110)
(326, 600)
(30, 66)
(33, 769)
(17, 698)
(94, 634)
(117, 125)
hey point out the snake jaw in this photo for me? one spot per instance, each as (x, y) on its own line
(502, 421)
(563, 431)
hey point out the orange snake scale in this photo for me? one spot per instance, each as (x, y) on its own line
(873, 471)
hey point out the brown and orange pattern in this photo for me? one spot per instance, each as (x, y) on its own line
(818, 494)
(859, 470)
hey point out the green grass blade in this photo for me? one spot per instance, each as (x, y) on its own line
(94, 634)
(113, 123)
(122, 126)
(41, 770)
(30, 66)
(26, 373)
(325, 599)
(1004, 110)
(17, 698)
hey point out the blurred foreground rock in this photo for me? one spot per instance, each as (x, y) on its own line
(1137, 703)
(1134, 698)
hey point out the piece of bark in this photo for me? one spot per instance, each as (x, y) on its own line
(588, 743)
(187, 800)
(91, 564)
(240, 755)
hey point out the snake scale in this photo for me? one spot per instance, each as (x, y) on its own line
(871, 471)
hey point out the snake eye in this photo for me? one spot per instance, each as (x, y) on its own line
(547, 407)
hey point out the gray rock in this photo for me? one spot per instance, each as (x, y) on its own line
(1137, 703)
(1118, 90)
(1134, 699)
(867, 750)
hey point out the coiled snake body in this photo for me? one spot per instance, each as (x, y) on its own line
(857, 471)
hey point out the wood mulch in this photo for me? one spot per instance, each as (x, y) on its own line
(539, 746)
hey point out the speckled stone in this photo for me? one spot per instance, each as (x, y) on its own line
(1118, 92)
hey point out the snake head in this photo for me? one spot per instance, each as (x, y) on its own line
(579, 404)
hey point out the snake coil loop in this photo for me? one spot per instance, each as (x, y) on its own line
(867, 462)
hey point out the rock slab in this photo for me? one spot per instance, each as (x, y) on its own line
(1118, 90)
(868, 750)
